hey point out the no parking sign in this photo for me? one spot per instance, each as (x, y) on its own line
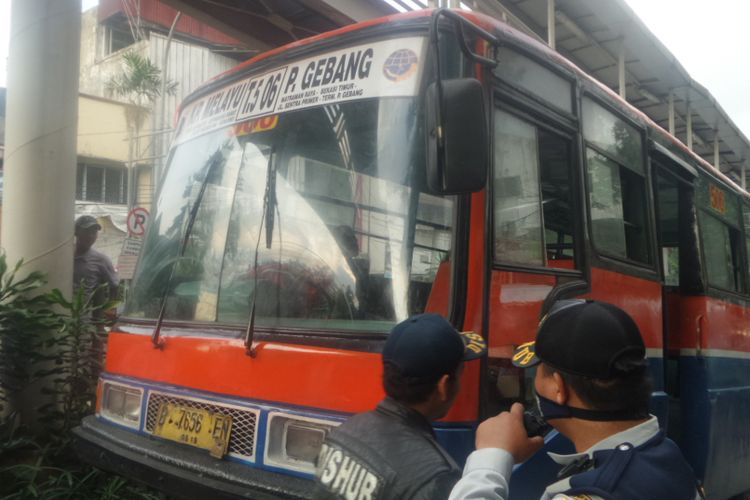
(137, 221)
(131, 247)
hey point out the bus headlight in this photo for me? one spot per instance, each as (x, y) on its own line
(122, 404)
(293, 442)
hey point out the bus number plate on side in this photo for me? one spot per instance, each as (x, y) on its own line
(195, 427)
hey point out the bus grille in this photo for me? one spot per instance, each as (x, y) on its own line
(244, 421)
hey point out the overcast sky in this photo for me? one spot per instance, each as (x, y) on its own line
(711, 41)
(709, 38)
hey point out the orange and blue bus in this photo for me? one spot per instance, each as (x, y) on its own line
(431, 161)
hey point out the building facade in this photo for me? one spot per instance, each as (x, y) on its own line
(123, 142)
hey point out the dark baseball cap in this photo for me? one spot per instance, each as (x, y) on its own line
(427, 346)
(587, 338)
(86, 222)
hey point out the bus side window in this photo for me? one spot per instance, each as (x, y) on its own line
(617, 185)
(532, 195)
(733, 279)
(721, 240)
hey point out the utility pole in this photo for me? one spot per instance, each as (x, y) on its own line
(160, 164)
(40, 154)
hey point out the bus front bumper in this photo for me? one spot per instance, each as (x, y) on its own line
(178, 470)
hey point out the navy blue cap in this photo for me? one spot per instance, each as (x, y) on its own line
(427, 346)
(587, 338)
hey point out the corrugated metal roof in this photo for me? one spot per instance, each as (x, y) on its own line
(265, 24)
(161, 15)
(590, 33)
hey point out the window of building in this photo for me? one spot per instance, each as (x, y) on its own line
(117, 38)
(102, 184)
(144, 186)
(617, 185)
(533, 214)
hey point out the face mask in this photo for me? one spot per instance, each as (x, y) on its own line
(551, 410)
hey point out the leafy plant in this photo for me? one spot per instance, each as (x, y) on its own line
(25, 315)
(140, 81)
(39, 480)
(48, 340)
(78, 352)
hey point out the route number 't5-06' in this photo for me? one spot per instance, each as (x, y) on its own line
(262, 93)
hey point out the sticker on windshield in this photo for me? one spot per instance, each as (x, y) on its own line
(255, 125)
(400, 65)
(388, 68)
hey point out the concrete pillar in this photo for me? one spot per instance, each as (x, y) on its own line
(621, 70)
(689, 119)
(40, 137)
(671, 112)
(551, 23)
(40, 146)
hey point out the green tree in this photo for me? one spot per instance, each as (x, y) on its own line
(140, 83)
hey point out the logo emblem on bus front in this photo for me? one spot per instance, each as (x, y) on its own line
(400, 65)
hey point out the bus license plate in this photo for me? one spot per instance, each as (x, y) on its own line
(195, 427)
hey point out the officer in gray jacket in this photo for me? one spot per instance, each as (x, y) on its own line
(391, 452)
(592, 385)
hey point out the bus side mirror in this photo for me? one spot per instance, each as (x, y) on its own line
(458, 163)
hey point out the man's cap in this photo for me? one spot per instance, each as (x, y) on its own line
(86, 222)
(587, 338)
(426, 346)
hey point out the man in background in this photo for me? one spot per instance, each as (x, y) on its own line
(93, 270)
(391, 452)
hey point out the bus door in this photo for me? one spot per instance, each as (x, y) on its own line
(533, 250)
(680, 269)
(534, 231)
(532, 242)
(534, 213)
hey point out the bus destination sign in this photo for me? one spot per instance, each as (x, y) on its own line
(388, 68)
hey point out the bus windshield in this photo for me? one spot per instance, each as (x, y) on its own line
(317, 216)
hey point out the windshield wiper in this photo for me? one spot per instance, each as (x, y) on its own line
(269, 199)
(215, 160)
(267, 218)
